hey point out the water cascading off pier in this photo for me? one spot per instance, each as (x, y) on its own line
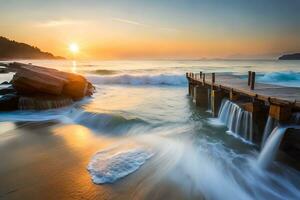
(273, 135)
(237, 120)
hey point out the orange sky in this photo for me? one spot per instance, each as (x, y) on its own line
(142, 30)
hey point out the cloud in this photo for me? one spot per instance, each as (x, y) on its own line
(129, 22)
(126, 21)
(61, 22)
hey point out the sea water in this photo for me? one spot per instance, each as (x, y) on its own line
(144, 106)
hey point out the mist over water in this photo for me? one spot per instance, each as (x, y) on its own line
(163, 139)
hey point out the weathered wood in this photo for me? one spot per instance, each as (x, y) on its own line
(233, 96)
(281, 113)
(259, 117)
(252, 84)
(249, 77)
(200, 96)
(216, 100)
(271, 94)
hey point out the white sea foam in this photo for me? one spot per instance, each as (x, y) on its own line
(108, 167)
(161, 79)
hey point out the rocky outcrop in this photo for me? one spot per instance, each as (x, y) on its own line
(295, 56)
(45, 88)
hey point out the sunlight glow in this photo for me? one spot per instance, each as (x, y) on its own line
(73, 47)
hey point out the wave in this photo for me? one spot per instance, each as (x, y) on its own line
(288, 78)
(105, 72)
(107, 122)
(127, 79)
(103, 122)
(107, 166)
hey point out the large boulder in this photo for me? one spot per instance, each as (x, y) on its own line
(30, 79)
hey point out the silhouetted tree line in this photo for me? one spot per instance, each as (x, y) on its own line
(10, 49)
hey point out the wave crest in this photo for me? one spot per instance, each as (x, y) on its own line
(288, 78)
(126, 79)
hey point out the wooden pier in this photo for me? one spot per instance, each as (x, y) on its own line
(281, 99)
(262, 100)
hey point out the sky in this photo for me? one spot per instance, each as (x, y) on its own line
(155, 29)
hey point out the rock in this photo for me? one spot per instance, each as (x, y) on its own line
(4, 83)
(43, 102)
(30, 82)
(90, 89)
(76, 86)
(7, 90)
(295, 56)
(30, 79)
(9, 102)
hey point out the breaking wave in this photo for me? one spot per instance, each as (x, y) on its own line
(288, 78)
(161, 79)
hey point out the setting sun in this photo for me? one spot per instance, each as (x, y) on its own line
(74, 48)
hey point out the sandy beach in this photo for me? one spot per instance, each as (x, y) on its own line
(49, 160)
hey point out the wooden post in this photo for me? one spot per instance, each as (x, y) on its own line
(216, 100)
(213, 78)
(259, 118)
(203, 79)
(249, 77)
(200, 74)
(252, 80)
(281, 113)
(200, 96)
(233, 96)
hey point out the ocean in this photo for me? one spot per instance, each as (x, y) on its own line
(161, 146)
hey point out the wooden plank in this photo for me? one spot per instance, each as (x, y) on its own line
(275, 94)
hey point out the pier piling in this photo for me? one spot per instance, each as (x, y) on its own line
(216, 100)
(252, 80)
(200, 96)
(260, 99)
(249, 77)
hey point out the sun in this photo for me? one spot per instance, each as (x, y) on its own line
(74, 48)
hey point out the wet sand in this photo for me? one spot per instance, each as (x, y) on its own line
(48, 161)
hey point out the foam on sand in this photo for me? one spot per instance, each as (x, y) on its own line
(107, 166)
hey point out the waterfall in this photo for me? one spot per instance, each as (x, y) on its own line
(237, 120)
(272, 138)
(270, 125)
(271, 147)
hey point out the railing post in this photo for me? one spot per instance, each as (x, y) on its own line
(252, 80)
(249, 77)
(200, 74)
(203, 79)
(213, 78)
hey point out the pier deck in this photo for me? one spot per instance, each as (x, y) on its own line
(275, 94)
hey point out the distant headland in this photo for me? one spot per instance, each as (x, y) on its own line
(10, 49)
(295, 56)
